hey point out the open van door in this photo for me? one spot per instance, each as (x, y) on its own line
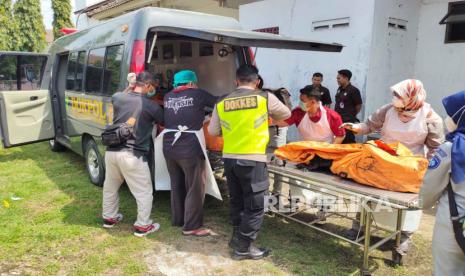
(25, 109)
(252, 39)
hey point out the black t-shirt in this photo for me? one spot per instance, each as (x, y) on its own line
(325, 95)
(346, 100)
(146, 113)
(185, 108)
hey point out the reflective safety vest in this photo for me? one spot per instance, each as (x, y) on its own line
(244, 122)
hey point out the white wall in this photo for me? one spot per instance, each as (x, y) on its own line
(392, 57)
(440, 66)
(293, 69)
(82, 20)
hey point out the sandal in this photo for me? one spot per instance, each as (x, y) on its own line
(197, 233)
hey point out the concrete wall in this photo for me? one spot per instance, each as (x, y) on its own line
(82, 20)
(293, 69)
(392, 53)
(440, 66)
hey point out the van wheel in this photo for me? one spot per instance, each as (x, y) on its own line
(56, 146)
(94, 163)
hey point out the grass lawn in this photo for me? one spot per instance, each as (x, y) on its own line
(55, 228)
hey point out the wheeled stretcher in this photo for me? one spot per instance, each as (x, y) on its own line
(342, 198)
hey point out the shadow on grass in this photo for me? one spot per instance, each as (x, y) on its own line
(296, 248)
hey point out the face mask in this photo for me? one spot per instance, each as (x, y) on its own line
(303, 106)
(396, 102)
(152, 93)
(451, 126)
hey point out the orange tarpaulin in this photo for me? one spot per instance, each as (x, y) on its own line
(364, 163)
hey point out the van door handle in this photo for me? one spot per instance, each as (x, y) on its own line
(33, 98)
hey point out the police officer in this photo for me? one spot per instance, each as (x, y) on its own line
(242, 119)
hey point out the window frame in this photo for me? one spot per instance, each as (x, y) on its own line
(19, 60)
(84, 66)
(448, 25)
(100, 92)
(67, 69)
(105, 65)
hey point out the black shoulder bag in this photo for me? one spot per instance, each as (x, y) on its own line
(117, 134)
(457, 222)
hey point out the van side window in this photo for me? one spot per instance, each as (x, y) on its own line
(111, 76)
(80, 71)
(8, 76)
(71, 74)
(21, 72)
(94, 70)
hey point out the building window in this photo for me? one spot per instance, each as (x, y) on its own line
(94, 70)
(331, 24)
(455, 22)
(270, 30)
(398, 24)
(111, 75)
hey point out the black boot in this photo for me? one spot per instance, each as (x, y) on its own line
(246, 250)
(233, 243)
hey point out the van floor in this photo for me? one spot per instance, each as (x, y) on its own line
(50, 224)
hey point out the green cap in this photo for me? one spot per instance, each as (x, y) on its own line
(184, 76)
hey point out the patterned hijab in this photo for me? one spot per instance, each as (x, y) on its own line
(411, 93)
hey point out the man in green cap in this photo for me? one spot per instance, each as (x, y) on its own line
(184, 152)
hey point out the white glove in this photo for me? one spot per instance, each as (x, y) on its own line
(131, 78)
(355, 128)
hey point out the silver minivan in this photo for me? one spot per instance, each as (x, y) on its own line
(65, 96)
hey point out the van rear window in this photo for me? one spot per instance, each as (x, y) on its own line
(94, 70)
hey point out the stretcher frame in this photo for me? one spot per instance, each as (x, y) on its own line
(335, 186)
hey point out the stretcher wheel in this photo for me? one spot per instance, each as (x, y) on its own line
(397, 258)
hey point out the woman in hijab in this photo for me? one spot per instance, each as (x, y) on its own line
(408, 119)
(412, 122)
(445, 183)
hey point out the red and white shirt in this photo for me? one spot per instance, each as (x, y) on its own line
(322, 127)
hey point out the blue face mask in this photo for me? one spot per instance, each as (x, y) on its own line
(303, 106)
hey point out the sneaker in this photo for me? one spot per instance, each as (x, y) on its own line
(110, 222)
(142, 231)
(253, 253)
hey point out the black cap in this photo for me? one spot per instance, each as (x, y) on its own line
(311, 92)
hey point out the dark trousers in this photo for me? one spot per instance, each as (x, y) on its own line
(248, 183)
(188, 180)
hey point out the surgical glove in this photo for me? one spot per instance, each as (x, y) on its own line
(355, 128)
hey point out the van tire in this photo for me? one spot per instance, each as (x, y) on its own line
(94, 163)
(55, 146)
